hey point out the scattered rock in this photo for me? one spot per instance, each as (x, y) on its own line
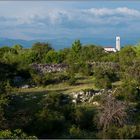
(25, 86)
(86, 96)
(95, 103)
(34, 97)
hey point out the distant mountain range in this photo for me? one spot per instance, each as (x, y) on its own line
(60, 43)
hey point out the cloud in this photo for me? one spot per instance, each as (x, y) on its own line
(81, 18)
(73, 22)
(124, 11)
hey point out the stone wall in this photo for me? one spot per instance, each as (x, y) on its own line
(47, 68)
(104, 64)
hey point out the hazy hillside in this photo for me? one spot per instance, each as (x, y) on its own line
(60, 43)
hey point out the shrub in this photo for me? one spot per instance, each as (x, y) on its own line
(75, 132)
(72, 80)
(15, 134)
(127, 132)
(103, 83)
(83, 118)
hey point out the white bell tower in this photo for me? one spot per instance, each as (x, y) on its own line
(118, 47)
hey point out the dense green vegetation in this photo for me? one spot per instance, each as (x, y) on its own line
(45, 108)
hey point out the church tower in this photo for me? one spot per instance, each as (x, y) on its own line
(118, 47)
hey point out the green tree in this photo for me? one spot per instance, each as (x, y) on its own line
(51, 120)
(76, 46)
(6, 49)
(40, 49)
(83, 118)
(52, 57)
(132, 73)
(74, 55)
(137, 49)
(104, 77)
(126, 57)
(18, 47)
(92, 53)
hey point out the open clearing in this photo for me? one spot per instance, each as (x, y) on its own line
(64, 87)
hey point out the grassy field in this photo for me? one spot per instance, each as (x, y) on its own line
(82, 83)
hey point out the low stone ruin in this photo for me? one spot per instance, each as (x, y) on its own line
(86, 96)
(48, 68)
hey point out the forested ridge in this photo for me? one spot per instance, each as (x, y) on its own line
(76, 92)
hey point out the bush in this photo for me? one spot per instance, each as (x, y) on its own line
(104, 77)
(103, 83)
(51, 120)
(49, 123)
(86, 69)
(61, 77)
(42, 79)
(75, 132)
(83, 118)
(127, 132)
(16, 134)
(72, 80)
(109, 134)
(128, 91)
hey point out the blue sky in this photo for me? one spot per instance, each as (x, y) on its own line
(72, 19)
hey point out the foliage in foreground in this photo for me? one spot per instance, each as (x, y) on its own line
(55, 116)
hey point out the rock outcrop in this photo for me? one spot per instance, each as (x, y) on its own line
(87, 96)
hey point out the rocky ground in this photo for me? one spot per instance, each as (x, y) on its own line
(87, 96)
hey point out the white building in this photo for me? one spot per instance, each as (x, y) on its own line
(110, 49)
(117, 48)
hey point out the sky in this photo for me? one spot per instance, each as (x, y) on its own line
(69, 19)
